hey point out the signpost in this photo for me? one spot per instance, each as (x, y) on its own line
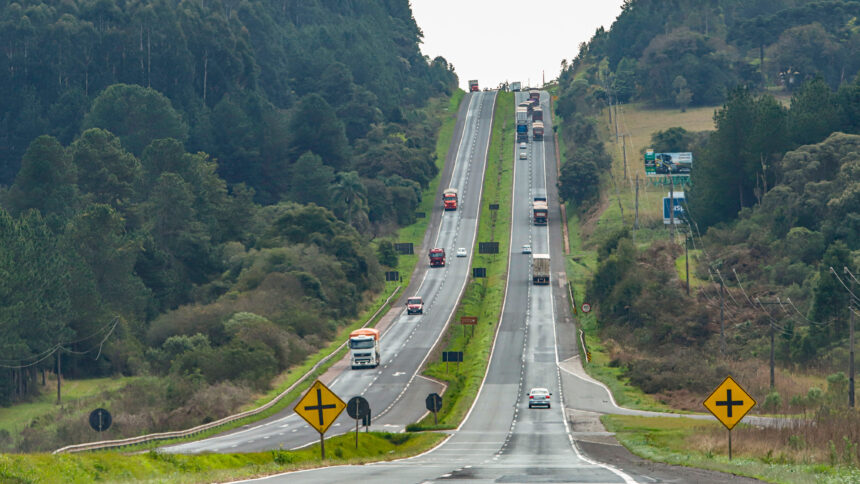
(488, 247)
(320, 407)
(359, 409)
(729, 403)
(479, 272)
(392, 276)
(452, 357)
(100, 420)
(434, 404)
(405, 248)
(468, 321)
(586, 308)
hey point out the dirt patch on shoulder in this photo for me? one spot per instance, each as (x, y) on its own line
(592, 215)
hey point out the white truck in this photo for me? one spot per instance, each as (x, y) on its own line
(364, 348)
(540, 269)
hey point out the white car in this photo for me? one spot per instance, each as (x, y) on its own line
(539, 397)
(523, 146)
(461, 252)
(527, 249)
(523, 155)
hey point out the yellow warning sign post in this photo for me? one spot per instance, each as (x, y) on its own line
(729, 403)
(320, 407)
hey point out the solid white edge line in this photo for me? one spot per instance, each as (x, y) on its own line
(627, 479)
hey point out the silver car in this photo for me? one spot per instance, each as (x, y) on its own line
(539, 397)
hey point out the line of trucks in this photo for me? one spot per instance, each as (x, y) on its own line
(530, 108)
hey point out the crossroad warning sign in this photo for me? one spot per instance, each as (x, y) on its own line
(319, 407)
(729, 403)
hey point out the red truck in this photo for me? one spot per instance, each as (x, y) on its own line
(473, 86)
(537, 130)
(449, 199)
(437, 257)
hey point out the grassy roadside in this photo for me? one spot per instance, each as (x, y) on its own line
(157, 467)
(703, 444)
(483, 297)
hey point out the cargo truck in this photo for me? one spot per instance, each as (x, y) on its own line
(414, 305)
(540, 195)
(449, 199)
(522, 124)
(437, 257)
(473, 86)
(537, 114)
(537, 130)
(516, 86)
(534, 94)
(364, 348)
(541, 212)
(540, 269)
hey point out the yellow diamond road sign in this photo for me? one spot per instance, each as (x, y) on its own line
(320, 407)
(729, 403)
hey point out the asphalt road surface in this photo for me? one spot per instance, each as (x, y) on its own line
(501, 439)
(393, 390)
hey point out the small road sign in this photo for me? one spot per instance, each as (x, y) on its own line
(452, 356)
(357, 407)
(319, 407)
(729, 403)
(433, 402)
(468, 320)
(586, 308)
(494, 206)
(479, 272)
(100, 420)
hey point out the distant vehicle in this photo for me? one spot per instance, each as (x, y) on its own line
(527, 248)
(537, 130)
(540, 195)
(473, 86)
(516, 86)
(522, 117)
(414, 305)
(539, 397)
(540, 269)
(364, 348)
(523, 155)
(437, 257)
(449, 199)
(524, 146)
(537, 114)
(461, 252)
(534, 95)
(540, 211)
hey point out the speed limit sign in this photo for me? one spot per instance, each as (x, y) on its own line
(586, 308)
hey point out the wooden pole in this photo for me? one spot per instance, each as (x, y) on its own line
(59, 373)
(851, 352)
(722, 322)
(687, 261)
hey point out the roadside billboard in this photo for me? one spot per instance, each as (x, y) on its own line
(679, 202)
(668, 163)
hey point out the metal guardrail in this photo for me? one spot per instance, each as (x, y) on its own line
(106, 444)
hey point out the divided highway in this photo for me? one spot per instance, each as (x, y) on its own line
(407, 341)
(501, 439)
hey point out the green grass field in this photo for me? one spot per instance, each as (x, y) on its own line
(482, 297)
(704, 444)
(171, 468)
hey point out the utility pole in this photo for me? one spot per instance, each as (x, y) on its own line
(687, 261)
(672, 208)
(636, 218)
(59, 371)
(851, 338)
(772, 332)
(624, 150)
(722, 325)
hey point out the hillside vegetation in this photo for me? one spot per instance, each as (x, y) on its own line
(772, 203)
(190, 190)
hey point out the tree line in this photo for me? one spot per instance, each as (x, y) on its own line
(199, 181)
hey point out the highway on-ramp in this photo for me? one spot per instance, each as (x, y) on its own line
(406, 343)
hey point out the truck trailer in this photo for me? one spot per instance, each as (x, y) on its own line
(364, 348)
(473, 86)
(522, 124)
(437, 257)
(537, 114)
(516, 86)
(537, 130)
(534, 94)
(540, 269)
(540, 210)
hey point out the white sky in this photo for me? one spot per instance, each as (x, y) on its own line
(498, 40)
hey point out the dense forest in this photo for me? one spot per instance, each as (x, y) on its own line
(774, 200)
(188, 188)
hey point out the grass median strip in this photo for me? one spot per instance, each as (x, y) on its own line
(483, 297)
